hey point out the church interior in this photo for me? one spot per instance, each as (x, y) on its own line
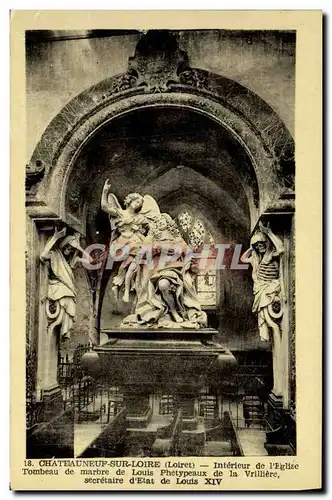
(202, 121)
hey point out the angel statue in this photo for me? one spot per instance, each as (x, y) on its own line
(264, 255)
(164, 291)
(60, 255)
(129, 227)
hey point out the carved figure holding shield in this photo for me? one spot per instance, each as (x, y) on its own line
(60, 255)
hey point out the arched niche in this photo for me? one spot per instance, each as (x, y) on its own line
(249, 123)
(253, 166)
(167, 153)
(180, 157)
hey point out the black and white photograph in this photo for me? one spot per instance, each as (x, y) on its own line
(160, 254)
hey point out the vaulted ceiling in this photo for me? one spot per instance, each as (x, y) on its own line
(181, 158)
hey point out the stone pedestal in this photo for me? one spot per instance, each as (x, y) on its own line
(281, 433)
(175, 361)
(274, 411)
(52, 403)
(144, 363)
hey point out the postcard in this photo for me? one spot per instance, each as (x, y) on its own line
(166, 250)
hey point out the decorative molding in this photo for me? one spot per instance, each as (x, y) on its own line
(158, 61)
(34, 175)
(121, 83)
(75, 198)
(196, 78)
(160, 68)
(33, 407)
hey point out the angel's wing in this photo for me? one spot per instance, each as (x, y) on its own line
(113, 201)
(150, 207)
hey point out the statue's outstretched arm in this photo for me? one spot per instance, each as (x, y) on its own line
(85, 259)
(109, 202)
(45, 255)
(247, 256)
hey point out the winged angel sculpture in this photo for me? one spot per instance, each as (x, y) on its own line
(162, 282)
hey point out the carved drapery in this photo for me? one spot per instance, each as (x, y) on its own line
(159, 75)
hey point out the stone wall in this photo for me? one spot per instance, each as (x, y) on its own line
(57, 71)
(181, 157)
(85, 321)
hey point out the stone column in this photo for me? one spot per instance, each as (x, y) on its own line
(280, 401)
(279, 439)
(269, 255)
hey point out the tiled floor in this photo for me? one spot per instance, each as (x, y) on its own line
(251, 440)
(86, 432)
(217, 449)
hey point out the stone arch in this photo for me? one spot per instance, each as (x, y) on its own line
(154, 83)
(256, 128)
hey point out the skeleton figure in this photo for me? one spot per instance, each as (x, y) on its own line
(264, 255)
(60, 255)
